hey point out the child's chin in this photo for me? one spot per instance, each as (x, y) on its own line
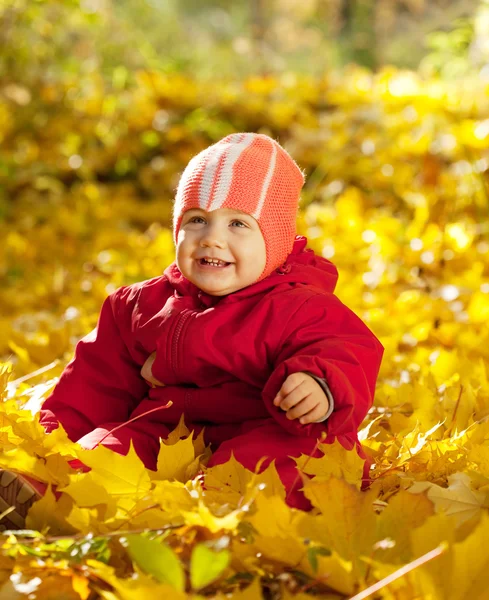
(219, 290)
(216, 291)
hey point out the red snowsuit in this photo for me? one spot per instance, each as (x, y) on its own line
(222, 360)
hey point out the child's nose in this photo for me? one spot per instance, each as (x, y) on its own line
(213, 236)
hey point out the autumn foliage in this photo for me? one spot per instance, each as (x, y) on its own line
(396, 196)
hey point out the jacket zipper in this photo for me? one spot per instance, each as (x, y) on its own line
(178, 331)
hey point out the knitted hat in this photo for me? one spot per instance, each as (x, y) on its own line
(249, 172)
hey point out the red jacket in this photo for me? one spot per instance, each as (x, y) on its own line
(222, 360)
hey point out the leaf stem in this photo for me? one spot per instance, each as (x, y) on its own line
(167, 405)
(402, 571)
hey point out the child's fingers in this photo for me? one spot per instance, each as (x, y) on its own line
(292, 382)
(292, 398)
(302, 408)
(312, 416)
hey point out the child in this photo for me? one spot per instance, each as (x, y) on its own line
(243, 332)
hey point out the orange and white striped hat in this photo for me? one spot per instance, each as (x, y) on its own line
(249, 172)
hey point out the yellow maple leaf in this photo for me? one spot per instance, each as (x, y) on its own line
(19, 461)
(87, 521)
(231, 483)
(402, 587)
(138, 587)
(201, 450)
(174, 460)
(49, 514)
(57, 442)
(462, 572)
(5, 373)
(347, 523)
(119, 475)
(276, 525)
(279, 536)
(180, 431)
(336, 572)
(81, 586)
(336, 461)
(85, 491)
(479, 454)
(173, 496)
(458, 499)
(403, 513)
(202, 516)
(412, 442)
(445, 368)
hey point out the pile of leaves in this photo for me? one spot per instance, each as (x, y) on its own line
(396, 196)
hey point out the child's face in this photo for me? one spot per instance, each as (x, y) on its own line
(226, 234)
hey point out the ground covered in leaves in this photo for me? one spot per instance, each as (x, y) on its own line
(396, 196)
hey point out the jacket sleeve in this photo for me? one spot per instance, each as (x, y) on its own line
(329, 341)
(101, 384)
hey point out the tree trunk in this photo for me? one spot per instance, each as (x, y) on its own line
(258, 30)
(359, 32)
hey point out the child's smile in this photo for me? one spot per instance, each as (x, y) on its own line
(221, 251)
(214, 263)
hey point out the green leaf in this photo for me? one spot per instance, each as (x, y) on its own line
(157, 560)
(312, 554)
(206, 565)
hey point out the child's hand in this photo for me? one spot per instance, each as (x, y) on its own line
(146, 372)
(302, 397)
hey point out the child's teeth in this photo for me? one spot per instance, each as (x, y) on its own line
(214, 263)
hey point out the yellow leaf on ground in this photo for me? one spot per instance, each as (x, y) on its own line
(446, 367)
(81, 586)
(278, 537)
(119, 475)
(180, 431)
(462, 572)
(251, 592)
(479, 454)
(332, 570)
(348, 522)
(138, 587)
(231, 483)
(85, 491)
(459, 499)
(172, 496)
(20, 461)
(435, 530)
(202, 515)
(336, 461)
(403, 513)
(174, 460)
(59, 442)
(50, 514)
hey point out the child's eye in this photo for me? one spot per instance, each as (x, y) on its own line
(193, 220)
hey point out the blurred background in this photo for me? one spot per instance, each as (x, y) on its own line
(215, 37)
(383, 103)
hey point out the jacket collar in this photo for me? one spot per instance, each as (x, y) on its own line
(302, 266)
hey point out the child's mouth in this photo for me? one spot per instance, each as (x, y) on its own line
(210, 265)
